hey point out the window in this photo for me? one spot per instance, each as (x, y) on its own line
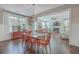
(56, 30)
(56, 23)
(35, 25)
(17, 23)
(43, 24)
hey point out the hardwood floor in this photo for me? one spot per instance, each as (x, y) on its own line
(15, 47)
(74, 49)
(11, 46)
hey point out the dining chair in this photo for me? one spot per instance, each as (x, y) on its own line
(25, 35)
(32, 42)
(45, 42)
(24, 39)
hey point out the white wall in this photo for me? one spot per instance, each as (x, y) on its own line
(1, 25)
(1, 35)
(74, 28)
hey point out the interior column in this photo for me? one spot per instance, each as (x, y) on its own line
(74, 26)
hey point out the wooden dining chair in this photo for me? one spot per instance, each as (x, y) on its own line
(24, 39)
(45, 42)
(25, 35)
(32, 41)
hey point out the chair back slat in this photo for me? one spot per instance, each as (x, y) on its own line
(48, 37)
(24, 36)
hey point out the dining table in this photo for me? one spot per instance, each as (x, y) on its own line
(38, 36)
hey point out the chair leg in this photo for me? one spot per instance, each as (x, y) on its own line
(38, 48)
(22, 44)
(42, 49)
(46, 49)
(50, 47)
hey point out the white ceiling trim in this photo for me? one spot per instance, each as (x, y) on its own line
(26, 9)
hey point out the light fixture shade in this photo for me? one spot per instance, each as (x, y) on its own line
(32, 19)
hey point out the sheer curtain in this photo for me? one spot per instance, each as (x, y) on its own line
(10, 20)
(6, 26)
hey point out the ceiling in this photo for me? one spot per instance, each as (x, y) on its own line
(27, 9)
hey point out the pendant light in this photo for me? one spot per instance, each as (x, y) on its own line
(33, 17)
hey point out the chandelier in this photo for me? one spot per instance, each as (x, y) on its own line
(33, 17)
